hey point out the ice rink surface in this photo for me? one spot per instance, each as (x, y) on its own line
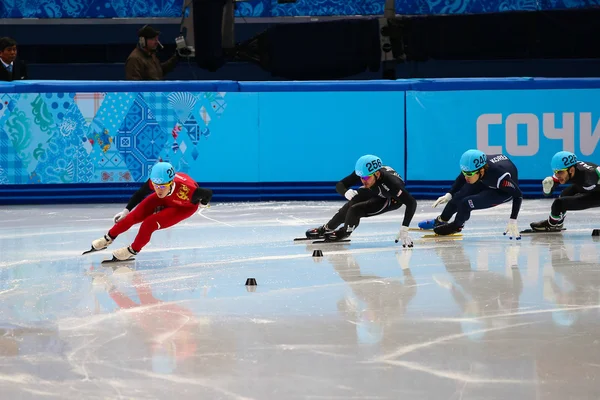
(476, 317)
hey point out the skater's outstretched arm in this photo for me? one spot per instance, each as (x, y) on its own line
(135, 199)
(507, 185)
(404, 197)
(411, 206)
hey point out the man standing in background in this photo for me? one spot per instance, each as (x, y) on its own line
(143, 64)
(11, 68)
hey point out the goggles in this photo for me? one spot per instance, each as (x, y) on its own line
(164, 186)
(556, 171)
(366, 178)
(472, 173)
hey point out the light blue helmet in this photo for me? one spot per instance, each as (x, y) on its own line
(562, 160)
(472, 160)
(162, 173)
(367, 165)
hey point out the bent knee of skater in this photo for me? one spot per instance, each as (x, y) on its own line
(152, 223)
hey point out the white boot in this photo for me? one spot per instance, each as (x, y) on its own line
(102, 243)
(124, 253)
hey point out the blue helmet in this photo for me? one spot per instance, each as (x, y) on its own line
(367, 165)
(563, 160)
(472, 160)
(162, 173)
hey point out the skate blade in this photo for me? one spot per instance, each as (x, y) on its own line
(530, 231)
(436, 236)
(304, 239)
(116, 260)
(92, 250)
(418, 230)
(331, 241)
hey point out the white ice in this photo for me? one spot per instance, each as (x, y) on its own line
(474, 317)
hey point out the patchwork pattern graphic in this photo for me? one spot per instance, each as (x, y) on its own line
(12, 169)
(89, 104)
(101, 137)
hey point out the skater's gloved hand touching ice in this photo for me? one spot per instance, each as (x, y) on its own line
(403, 235)
(512, 230)
(442, 200)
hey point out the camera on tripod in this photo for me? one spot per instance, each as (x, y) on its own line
(182, 48)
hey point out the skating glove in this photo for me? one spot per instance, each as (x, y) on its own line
(442, 200)
(512, 230)
(120, 215)
(350, 193)
(202, 196)
(548, 184)
(403, 235)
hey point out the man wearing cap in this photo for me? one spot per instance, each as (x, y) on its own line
(11, 68)
(143, 64)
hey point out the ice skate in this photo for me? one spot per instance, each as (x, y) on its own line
(447, 229)
(431, 223)
(122, 254)
(317, 233)
(546, 226)
(100, 244)
(334, 236)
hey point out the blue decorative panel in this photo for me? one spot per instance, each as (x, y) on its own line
(282, 139)
(270, 8)
(90, 8)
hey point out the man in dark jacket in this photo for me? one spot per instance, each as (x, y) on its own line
(143, 64)
(11, 68)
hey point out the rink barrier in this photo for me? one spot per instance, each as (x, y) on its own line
(121, 192)
(409, 123)
(445, 84)
(223, 192)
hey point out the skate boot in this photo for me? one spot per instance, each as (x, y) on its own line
(431, 223)
(102, 243)
(333, 236)
(447, 228)
(123, 254)
(317, 233)
(547, 225)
